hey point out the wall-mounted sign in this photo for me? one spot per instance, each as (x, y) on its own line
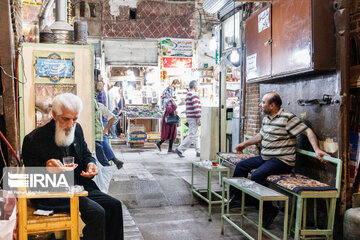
(264, 20)
(177, 47)
(176, 62)
(54, 67)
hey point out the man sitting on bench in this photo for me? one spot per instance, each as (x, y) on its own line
(278, 147)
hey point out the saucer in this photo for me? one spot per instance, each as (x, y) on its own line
(70, 168)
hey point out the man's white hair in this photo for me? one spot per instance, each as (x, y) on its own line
(68, 101)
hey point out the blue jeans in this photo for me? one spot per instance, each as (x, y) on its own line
(107, 149)
(263, 168)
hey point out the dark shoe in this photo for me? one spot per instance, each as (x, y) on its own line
(158, 146)
(171, 151)
(119, 164)
(179, 153)
(197, 154)
(269, 217)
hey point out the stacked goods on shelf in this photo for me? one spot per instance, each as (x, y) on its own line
(153, 136)
(137, 133)
(142, 112)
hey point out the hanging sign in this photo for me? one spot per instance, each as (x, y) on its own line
(177, 47)
(176, 62)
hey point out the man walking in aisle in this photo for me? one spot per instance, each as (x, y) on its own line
(193, 117)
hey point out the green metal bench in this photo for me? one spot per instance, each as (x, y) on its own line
(232, 158)
(302, 190)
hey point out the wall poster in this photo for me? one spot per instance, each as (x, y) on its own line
(44, 95)
(54, 67)
(176, 62)
(177, 47)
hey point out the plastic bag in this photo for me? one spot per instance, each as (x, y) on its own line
(104, 176)
(8, 215)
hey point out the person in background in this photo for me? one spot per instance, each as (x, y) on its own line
(114, 96)
(168, 105)
(168, 94)
(121, 105)
(168, 131)
(193, 118)
(99, 88)
(61, 137)
(104, 152)
(278, 148)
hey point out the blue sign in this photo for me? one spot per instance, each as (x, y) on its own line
(54, 68)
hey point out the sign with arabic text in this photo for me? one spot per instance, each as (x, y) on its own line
(177, 47)
(54, 67)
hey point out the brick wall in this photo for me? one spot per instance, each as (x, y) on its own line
(252, 113)
(154, 19)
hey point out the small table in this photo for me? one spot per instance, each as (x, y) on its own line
(209, 169)
(259, 192)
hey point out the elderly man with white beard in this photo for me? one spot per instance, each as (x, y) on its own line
(62, 137)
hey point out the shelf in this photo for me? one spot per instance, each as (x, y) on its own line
(233, 82)
(207, 76)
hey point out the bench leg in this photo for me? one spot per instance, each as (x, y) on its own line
(74, 214)
(292, 213)
(261, 209)
(286, 214)
(192, 184)
(209, 193)
(331, 215)
(299, 211)
(243, 209)
(222, 209)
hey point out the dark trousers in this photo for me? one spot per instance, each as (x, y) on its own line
(263, 168)
(102, 215)
(171, 141)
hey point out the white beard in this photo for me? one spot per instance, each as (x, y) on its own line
(64, 136)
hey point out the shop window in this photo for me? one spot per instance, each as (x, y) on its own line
(132, 13)
(229, 31)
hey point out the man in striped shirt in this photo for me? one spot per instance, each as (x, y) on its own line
(278, 147)
(193, 116)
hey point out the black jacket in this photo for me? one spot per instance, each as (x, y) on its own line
(39, 146)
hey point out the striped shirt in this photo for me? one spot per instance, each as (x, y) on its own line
(193, 106)
(279, 136)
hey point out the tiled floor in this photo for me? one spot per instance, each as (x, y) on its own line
(155, 189)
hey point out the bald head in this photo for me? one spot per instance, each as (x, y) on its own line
(274, 98)
(271, 103)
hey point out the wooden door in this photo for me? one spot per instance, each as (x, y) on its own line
(258, 46)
